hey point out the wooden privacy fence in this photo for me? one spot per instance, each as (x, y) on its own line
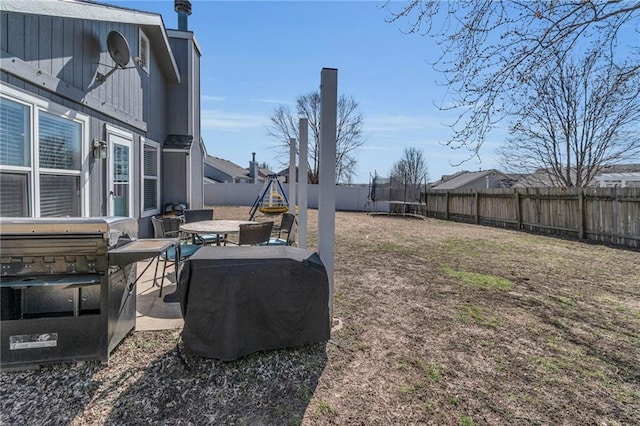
(609, 215)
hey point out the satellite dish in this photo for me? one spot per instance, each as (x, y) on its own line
(118, 48)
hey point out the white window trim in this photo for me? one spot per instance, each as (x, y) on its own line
(35, 105)
(156, 145)
(143, 36)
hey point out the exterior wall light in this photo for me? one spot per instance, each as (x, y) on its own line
(99, 149)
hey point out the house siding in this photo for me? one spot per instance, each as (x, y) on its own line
(56, 59)
(73, 51)
(178, 121)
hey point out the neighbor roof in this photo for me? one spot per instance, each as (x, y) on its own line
(541, 177)
(232, 169)
(462, 179)
(620, 168)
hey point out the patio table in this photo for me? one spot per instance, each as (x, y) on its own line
(217, 226)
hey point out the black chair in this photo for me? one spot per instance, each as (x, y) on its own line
(169, 227)
(254, 233)
(198, 216)
(286, 227)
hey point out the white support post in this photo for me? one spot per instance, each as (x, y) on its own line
(292, 176)
(303, 201)
(327, 178)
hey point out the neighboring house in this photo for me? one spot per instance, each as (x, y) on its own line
(81, 136)
(473, 180)
(622, 175)
(224, 171)
(283, 175)
(609, 176)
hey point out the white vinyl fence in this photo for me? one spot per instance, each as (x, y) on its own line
(348, 198)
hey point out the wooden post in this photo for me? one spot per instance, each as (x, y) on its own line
(518, 211)
(446, 205)
(477, 207)
(615, 223)
(580, 213)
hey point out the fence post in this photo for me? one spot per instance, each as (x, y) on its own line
(518, 212)
(477, 207)
(426, 203)
(580, 213)
(616, 229)
(446, 205)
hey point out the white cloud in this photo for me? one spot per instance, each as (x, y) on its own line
(273, 101)
(398, 123)
(230, 121)
(213, 98)
(368, 147)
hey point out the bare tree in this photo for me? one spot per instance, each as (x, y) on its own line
(491, 48)
(284, 126)
(582, 115)
(411, 170)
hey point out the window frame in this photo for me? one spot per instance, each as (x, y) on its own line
(155, 145)
(34, 171)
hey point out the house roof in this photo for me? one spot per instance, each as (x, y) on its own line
(151, 23)
(264, 172)
(620, 168)
(463, 178)
(541, 177)
(227, 167)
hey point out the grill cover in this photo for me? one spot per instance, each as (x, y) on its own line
(239, 300)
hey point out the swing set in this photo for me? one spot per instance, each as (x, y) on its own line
(272, 198)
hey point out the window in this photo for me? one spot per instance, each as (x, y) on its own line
(150, 178)
(143, 51)
(41, 153)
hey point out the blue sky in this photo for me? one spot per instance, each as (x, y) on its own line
(258, 55)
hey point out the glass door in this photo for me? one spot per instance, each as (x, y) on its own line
(120, 189)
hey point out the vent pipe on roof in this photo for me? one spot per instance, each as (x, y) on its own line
(183, 7)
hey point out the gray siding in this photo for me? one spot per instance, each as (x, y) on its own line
(74, 51)
(197, 181)
(174, 178)
(155, 101)
(196, 96)
(178, 119)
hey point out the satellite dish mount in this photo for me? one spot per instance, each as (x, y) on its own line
(118, 48)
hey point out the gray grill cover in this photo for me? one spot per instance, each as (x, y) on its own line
(239, 300)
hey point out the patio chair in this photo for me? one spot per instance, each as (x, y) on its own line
(254, 233)
(169, 227)
(286, 228)
(197, 216)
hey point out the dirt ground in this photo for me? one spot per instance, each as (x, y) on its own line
(437, 323)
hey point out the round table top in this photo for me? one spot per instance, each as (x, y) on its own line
(221, 226)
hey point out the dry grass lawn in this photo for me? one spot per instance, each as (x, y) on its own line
(441, 323)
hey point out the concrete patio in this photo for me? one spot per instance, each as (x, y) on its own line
(152, 313)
